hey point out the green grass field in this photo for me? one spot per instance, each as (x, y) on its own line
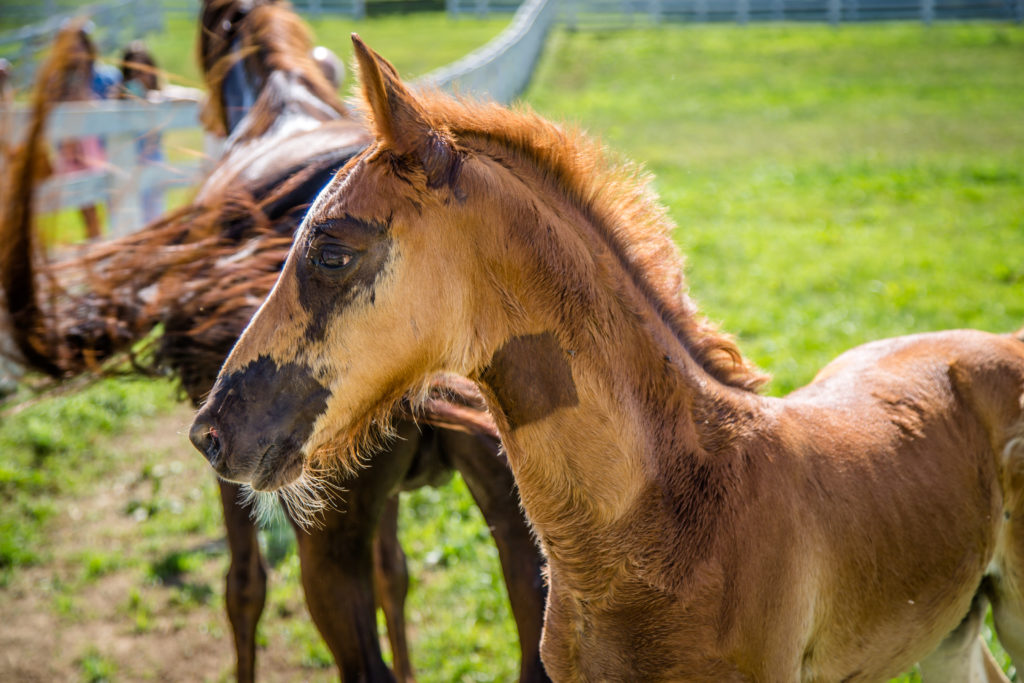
(414, 43)
(831, 186)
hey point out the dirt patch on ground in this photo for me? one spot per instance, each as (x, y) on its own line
(109, 603)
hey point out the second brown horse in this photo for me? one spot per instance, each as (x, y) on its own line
(201, 272)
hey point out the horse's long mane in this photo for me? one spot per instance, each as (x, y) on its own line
(273, 32)
(622, 206)
(200, 271)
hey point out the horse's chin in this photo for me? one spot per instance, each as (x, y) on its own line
(276, 470)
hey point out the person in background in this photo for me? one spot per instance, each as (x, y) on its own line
(139, 81)
(82, 81)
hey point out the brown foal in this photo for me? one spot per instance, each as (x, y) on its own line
(694, 529)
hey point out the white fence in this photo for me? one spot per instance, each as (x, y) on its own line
(624, 13)
(125, 177)
(502, 68)
(619, 13)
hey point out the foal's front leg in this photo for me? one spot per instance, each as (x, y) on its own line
(391, 579)
(492, 486)
(337, 562)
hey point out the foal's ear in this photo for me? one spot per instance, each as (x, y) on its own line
(400, 121)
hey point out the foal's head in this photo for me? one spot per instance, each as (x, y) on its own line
(420, 257)
(366, 307)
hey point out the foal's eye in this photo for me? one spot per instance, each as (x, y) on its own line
(333, 257)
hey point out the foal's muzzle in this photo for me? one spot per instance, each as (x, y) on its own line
(256, 421)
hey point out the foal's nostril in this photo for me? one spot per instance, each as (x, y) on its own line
(204, 438)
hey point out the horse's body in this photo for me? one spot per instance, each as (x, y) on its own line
(201, 273)
(694, 529)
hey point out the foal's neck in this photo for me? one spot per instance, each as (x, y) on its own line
(593, 391)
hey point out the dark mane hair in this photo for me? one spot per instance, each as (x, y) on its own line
(200, 271)
(268, 31)
(626, 212)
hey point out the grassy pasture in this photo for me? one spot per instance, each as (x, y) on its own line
(831, 187)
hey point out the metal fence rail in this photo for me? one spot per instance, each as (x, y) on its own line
(502, 68)
(353, 8)
(622, 13)
(617, 13)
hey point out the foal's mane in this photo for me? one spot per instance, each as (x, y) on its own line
(273, 32)
(617, 197)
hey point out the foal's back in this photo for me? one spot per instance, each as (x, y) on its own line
(906, 453)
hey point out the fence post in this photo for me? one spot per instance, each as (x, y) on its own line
(927, 11)
(125, 213)
(834, 11)
(161, 16)
(742, 11)
(453, 7)
(655, 6)
(702, 10)
(358, 9)
(570, 14)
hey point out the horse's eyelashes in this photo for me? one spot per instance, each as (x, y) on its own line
(332, 257)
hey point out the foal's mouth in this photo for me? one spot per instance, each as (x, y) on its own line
(276, 468)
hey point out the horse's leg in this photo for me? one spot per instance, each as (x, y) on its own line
(963, 657)
(391, 576)
(1007, 594)
(246, 584)
(1006, 584)
(337, 562)
(337, 567)
(493, 488)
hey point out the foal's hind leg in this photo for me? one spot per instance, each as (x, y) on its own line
(1007, 581)
(963, 657)
(246, 584)
(391, 580)
(493, 488)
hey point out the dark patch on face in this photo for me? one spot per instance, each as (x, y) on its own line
(323, 292)
(531, 377)
(258, 418)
